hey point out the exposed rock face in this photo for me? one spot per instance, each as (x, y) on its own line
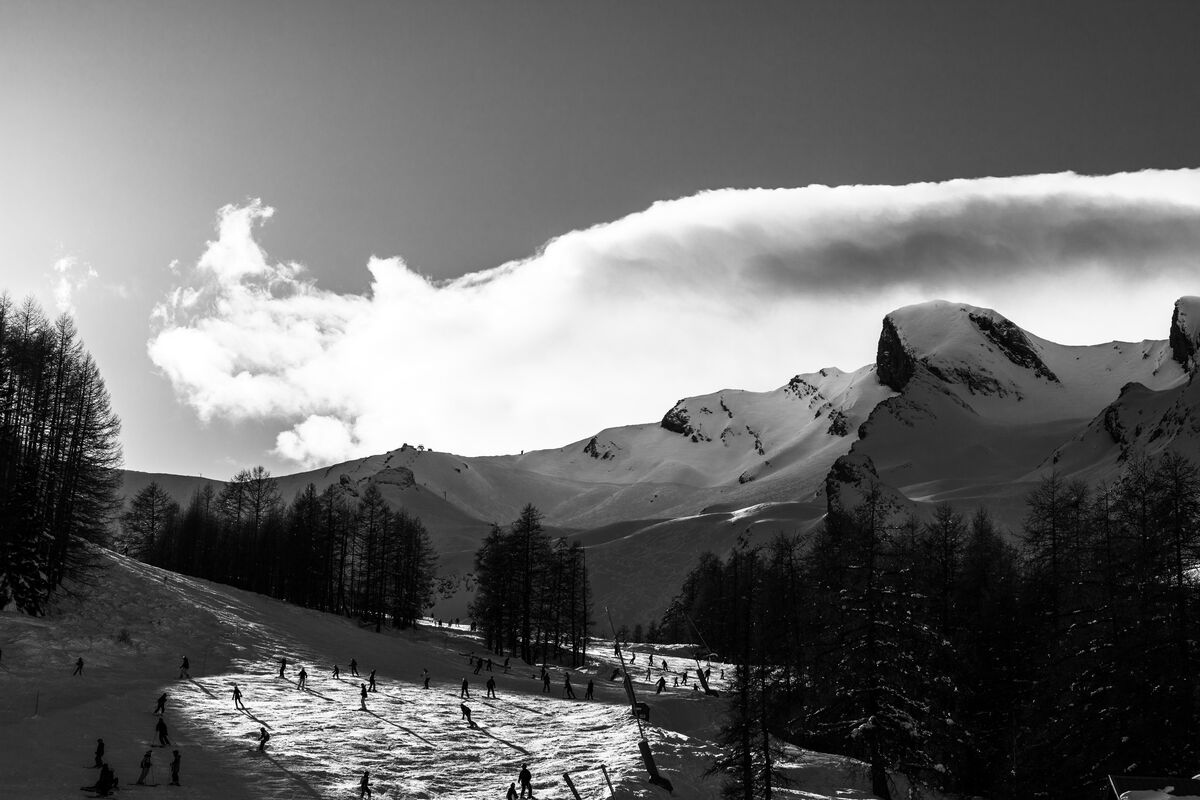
(602, 453)
(894, 364)
(1185, 332)
(401, 477)
(677, 420)
(1013, 343)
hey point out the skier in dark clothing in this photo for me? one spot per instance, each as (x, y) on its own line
(364, 785)
(512, 792)
(425, 677)
(183, 668)
(526, 780)
(282, 666)
(506, 665)
(78, 667)
(545, 680)
(354, 667)
(478, 666)
(237, 698)
(466, 712)
(363, 697)
(590, 688)
(489, 665)
(263, 738)
(175, 768)
(491, 687)
(99, 753)
(371, 681)
(567, 690)
(303, 679)
(104, 784)
(465, 692)
(162, 704)
(337, 673)
(145, 765)
(662, 684)
(161, 729)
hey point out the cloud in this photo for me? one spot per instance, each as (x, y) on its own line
(612, 324)
(70, 275)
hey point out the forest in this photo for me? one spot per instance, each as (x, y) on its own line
(338, 550)
(939, 650)
(59, 455)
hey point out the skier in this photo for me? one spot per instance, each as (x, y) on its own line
(237, 698)
(162, 704)
(99, 753)
(183, 668)
(354, 667)
(337, 673)
(545, 681)
(506, 665)
(371, 680)
(489, 664)
(282, 666)
(363, 697)
(478, 665)
(491, 687)
(465, 691)
(466, 712)
(590, 688)
(78, 667)
(662, 684)
(567, 690)
(526, 780)
(175, 768)
(104, 784)
(161, 729)
(364, 785)
(664, 665)
(425, 676)
(263, 738)
(303, 679)
(145, 765)
(512, 792)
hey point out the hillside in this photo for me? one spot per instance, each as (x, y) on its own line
(131, 624)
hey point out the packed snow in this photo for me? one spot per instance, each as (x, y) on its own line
(132, 624)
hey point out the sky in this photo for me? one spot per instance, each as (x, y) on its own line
(293, 233)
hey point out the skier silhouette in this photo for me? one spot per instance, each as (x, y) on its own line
(466, 712)
(662, 684)
(545, 680)
(161, 728)
(371, 680)
(364, 785)
(263, 738)
(175, 768)
(354, 667)
(337, 673)
(478, 666)
(237, 698)
(512, 792)
(303, 679)
(145, 765)
(104, 784)
(590, 688)
(282, 666)
(78, 667)
(99, 753)
(526, 780)
(465, 692)
(491, 687)
(567, 690)
(363, 697)
(162, 704)
(183, 668)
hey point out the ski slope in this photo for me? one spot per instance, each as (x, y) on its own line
(132, 623)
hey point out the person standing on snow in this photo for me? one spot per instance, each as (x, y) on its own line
(466, 714)
(282, 666)
(364, 785)
(303, 679)
(567, 690)
(162, 704)
(526, 780)
(175, 768)
(512, 792)
(363, 697)
(662, 684)
(590, 688)
(145, 765)
(161, 729)
(99, 753)
(183, 668)
(371, 681)
(465, 692)
(237, 698)
(263, 738)
(491, 687)
(337, 673)
(78, 667)
(354, 668)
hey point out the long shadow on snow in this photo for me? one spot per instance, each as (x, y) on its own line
(307, 786)
(401, 727)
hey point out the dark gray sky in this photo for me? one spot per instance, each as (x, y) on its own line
(461, 135)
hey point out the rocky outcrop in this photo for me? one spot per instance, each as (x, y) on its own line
(1012, 342)
(601, 453)
(678, 421)
(894, 364)
(1185, 332)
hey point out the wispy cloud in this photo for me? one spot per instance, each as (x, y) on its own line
(610, 325)
(69, 276)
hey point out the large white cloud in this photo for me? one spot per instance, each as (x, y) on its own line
(738, 288)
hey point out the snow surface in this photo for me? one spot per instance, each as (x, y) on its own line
(132, 623)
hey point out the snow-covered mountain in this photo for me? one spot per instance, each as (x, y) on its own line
(961, 405)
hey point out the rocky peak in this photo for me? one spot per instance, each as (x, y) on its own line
(1185, 332)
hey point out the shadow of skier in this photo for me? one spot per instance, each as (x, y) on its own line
(401, 727)
(303, 783)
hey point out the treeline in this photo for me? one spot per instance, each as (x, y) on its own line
(532, 595)
(938, 650)
(334, 550)
(59, 454)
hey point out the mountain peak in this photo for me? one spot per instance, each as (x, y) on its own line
(956, 343)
